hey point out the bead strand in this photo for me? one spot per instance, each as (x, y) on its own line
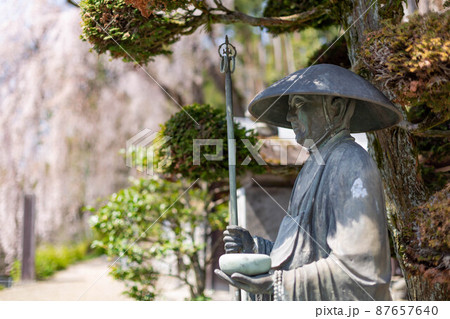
(278, 286)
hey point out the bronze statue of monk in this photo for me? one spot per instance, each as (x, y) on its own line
(333, 243)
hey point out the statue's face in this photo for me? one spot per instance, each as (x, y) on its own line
(306, 117)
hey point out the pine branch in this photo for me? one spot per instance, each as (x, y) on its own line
(425, 127)
(231, 17)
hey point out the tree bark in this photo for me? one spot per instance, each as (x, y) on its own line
(396, 156)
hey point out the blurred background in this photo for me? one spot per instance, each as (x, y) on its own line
(66, 112)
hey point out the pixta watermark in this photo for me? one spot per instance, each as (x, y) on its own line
(140, 151)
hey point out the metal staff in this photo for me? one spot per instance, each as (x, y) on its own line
(227, 53)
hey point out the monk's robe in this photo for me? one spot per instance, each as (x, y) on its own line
(333, 244)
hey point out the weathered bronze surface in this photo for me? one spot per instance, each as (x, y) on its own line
(373, 110)
(333, 243)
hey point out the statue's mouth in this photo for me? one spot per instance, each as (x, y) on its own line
(298, 129)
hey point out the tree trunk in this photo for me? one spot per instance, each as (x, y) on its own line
(396, 156)
(200, 276)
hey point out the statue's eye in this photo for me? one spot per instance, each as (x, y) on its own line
(297, 102)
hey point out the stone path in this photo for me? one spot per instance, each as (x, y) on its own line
(71, 284)
(74, 282)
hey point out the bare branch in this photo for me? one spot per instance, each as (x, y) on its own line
(424, 128)
(220, 6)
(72, 2)
(292, 20)
(433, 133)
(408, 126)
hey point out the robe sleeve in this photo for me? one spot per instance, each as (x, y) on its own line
(262, 245)
(357, 266)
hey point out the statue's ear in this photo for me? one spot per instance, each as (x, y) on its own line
(339, 107)
(343, 109)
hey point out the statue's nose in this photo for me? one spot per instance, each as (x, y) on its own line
(290, 117)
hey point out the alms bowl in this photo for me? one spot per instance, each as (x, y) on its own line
(247, 264)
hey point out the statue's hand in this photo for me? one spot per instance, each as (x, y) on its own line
(238, 240)
(262, 284)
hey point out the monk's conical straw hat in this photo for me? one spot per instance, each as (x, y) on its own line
(373, 110)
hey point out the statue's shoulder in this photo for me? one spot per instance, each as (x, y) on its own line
(351, 153)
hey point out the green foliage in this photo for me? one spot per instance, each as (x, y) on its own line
(155, 219)
(16, 270)
(138, 30)
(51, 258)
(200, 298)
(178, 152)
(392, 10)
(116, 27)
(412, 60)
